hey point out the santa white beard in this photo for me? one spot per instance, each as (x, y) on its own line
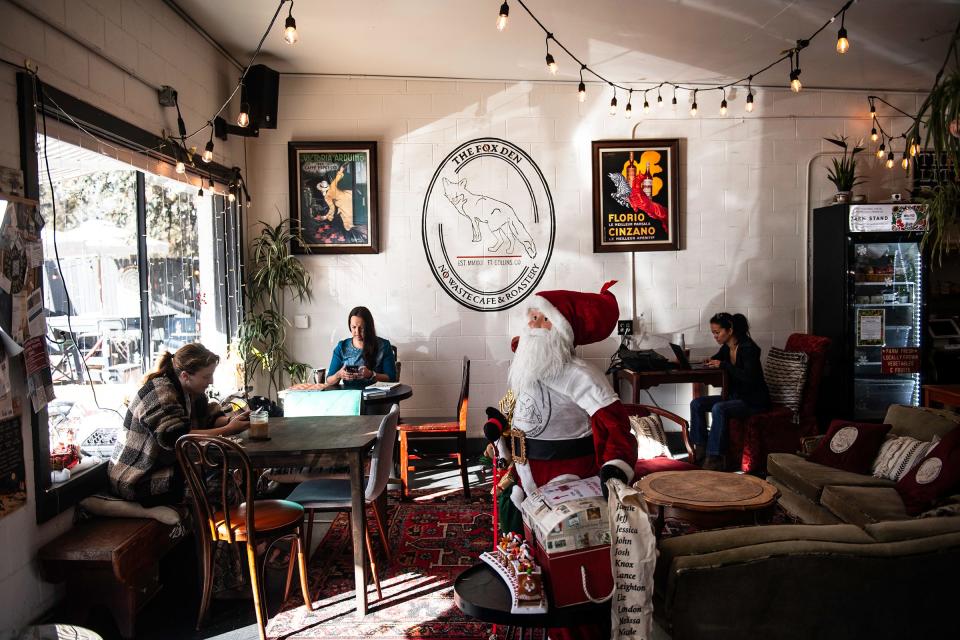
(540, 356)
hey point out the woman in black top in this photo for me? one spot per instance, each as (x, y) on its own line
(747, 393)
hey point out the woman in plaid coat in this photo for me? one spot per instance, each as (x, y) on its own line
(170, 403)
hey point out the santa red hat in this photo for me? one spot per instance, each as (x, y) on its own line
(580, 318)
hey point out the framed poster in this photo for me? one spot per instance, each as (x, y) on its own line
(333, 197)
(636, 195)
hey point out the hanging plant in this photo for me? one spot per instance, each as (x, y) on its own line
(273, 275)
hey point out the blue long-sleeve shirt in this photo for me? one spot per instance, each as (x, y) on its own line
(347, 354)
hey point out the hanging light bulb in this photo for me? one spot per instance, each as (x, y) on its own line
(208, 149)
(843, 45)
(723, 104)
(290, 35)
(659, 98)
(582, 88)
(749, 106)
(200, 192)
(502, 18)
(613, 102)
(243, 118)
(873, 110)
(646, 105)
(210, 182)
(795, 84)
(880, 151)
(693, 107)
(904, 161)
(914, 149)
(551, 63)
(628, 112)
(231, 197)
(873, 134)
(181, 167)
(890, 160)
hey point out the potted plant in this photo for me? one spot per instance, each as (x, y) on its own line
(273, 276)
(843, 174)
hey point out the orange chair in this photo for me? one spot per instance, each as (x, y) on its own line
(216, 468)
(438, 428)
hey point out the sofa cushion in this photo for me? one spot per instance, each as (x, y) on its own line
(785, 373)
(935, 477)
(864, 505)
(809, 478)
(898, 455)
(851, 446)
(921, 423)
(896, 530)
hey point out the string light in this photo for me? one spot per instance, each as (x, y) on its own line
(723, 104)
(749, 106)
(659, 98)
(628, 112)
(231, 197)
(873, 133)
(502, 18)
(613, 102)
(582, 88)
(890, 159)
(693, 107)
(873, 110)
(551, 63)
(243, 118)
(904, 162)
(290, 35)
(843, 44)
(914, 149)
(646, 105)
(208, 150)
(795, 84)
(673, 102)
(880, 150)
(181, 168)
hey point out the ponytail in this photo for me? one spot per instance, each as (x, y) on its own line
(190, 358)
(737, 323)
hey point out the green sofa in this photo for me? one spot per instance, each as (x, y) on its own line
(862, 569)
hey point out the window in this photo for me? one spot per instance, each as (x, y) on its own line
(103, 335)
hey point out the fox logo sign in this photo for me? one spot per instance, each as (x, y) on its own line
(488, 224)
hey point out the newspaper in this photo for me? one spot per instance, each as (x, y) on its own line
(559, 492)
(577, 523)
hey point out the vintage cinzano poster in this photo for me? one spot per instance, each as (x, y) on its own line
(636, 195)
(488, 224)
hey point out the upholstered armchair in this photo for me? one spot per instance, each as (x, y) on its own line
(677, 441)
(774, 431)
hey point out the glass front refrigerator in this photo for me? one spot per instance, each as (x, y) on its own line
(868, 298)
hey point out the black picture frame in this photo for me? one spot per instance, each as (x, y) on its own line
(642, 214)
(334, 198)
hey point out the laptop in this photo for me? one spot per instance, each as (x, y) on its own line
(683, 361)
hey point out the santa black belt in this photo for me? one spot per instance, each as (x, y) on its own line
(559, 449)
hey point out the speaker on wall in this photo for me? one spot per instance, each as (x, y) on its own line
(260, 90)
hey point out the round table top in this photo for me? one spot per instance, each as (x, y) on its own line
(480, 593)
(707, 490)
(398, 393)
(50, 632)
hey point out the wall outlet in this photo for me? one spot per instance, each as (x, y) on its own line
(301, 322)
(624, 327)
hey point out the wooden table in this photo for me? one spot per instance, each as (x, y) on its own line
(296, 441)
(645, 379)
(707, 499)
(944, 395)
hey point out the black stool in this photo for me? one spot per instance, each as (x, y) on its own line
(481, 593)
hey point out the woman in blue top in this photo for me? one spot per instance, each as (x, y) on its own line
(363, 358)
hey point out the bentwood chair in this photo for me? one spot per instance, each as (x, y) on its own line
(221, 483)
(450, 428)
(333, 494)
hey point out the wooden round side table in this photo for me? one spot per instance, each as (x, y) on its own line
(707, 499)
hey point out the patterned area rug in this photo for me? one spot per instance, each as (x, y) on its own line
(431, 543)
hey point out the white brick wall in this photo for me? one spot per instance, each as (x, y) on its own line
(147, 38)
(744, 189)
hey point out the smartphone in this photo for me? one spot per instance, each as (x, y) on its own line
(351, 368)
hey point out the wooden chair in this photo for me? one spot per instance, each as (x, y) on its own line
(454, 428)
(218, 469)
(330, 494)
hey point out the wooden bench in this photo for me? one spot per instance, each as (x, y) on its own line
(109, 561)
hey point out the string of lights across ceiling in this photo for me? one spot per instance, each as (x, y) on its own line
(792, 55)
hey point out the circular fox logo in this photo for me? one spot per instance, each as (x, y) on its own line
(488, 224)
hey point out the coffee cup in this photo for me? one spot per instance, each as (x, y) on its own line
(259, 425)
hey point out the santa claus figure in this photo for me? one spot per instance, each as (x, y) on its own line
(574, 424)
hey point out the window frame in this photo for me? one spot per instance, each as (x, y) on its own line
(33, 99)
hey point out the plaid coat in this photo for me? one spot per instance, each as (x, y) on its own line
(143, 464)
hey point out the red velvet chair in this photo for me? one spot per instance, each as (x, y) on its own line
(773, 431)
(662, 463)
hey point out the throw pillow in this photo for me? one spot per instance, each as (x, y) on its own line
(785, 373)
(850, 446)
(936, 476)
(898, 455)
(651, 439)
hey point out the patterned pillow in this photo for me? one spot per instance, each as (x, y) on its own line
(786, 373)
(651, 439)
(850, 446)
(898, 455)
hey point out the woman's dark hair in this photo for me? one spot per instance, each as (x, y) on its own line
(736, 322)
(190, 358)
(371, 345)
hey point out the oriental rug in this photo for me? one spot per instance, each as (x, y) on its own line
(431, 543)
